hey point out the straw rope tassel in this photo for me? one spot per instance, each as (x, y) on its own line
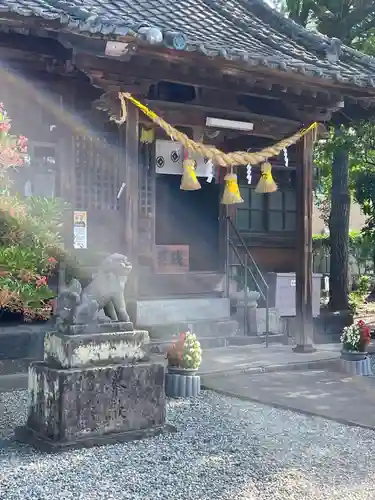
(189, 181)
(231, 194)
(266, 183)
(124, 112)
(218, 157)
(147, 136)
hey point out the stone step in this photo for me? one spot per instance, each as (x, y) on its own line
(161, 347)
(170, 311)
(204, 328)
(273, 338)
(174, 285)
(15, 382)
(14, 366)
(22, 341)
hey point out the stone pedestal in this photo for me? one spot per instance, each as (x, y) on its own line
(94, 389)
(257, 321)
(74, 351)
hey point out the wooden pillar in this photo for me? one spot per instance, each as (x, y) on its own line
(304, 317)
(131, 195)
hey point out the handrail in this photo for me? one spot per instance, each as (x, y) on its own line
(262, 287)
(237, 233)
(233, 246)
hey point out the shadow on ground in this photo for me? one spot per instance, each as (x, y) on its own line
(336, 396)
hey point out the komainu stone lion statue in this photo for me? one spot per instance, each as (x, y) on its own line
(106, 290)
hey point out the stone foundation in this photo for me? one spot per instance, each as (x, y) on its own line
(95, 405)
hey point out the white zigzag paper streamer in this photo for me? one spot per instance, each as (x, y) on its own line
(286, 159)
(248, 174)
(210, 171)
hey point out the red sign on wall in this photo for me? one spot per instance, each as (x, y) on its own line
(171, 259)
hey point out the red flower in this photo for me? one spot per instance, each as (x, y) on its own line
(42, 281)
(364, 332)
(4, 126)
(22, 141)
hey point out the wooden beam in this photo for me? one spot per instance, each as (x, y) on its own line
(130, 195)
(239, 71)
(304, 264)
(151, 70)
(191, 115)
(30, 43)
(195, 116)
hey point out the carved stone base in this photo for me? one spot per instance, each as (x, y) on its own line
(83, 407)
(88, 349)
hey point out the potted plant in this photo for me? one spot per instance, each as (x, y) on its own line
(184, 359)
(355, 340)
(185, 355)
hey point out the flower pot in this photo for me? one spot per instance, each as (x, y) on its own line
(182, 382)
(353, 355)
(182, 386)
(364, 347)
(360, 367)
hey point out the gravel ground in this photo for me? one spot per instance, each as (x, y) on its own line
(225, 449)
(372, 361)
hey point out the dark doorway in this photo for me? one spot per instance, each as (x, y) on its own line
(189, 218)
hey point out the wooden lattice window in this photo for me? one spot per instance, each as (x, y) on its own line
(146, 180)
(97, 173)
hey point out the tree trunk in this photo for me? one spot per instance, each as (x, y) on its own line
(339, 229)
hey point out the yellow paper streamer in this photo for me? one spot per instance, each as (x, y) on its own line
(189, 181)
(231, 194)
(266, 183)
(218, 157)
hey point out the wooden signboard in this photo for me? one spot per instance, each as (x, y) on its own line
(171, 259)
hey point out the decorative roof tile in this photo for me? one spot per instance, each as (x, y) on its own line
(245, 30)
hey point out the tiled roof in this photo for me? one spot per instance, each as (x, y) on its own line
(245, 30)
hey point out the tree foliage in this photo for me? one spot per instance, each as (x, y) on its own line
(346, 151)
(348, 20)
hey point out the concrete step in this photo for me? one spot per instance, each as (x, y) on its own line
(22, 341)
(150, 313)
(20, 345)
(161, 347)
(174, 285)
(13, 366)
(226, 327)
(15, 382)
(273, 338)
